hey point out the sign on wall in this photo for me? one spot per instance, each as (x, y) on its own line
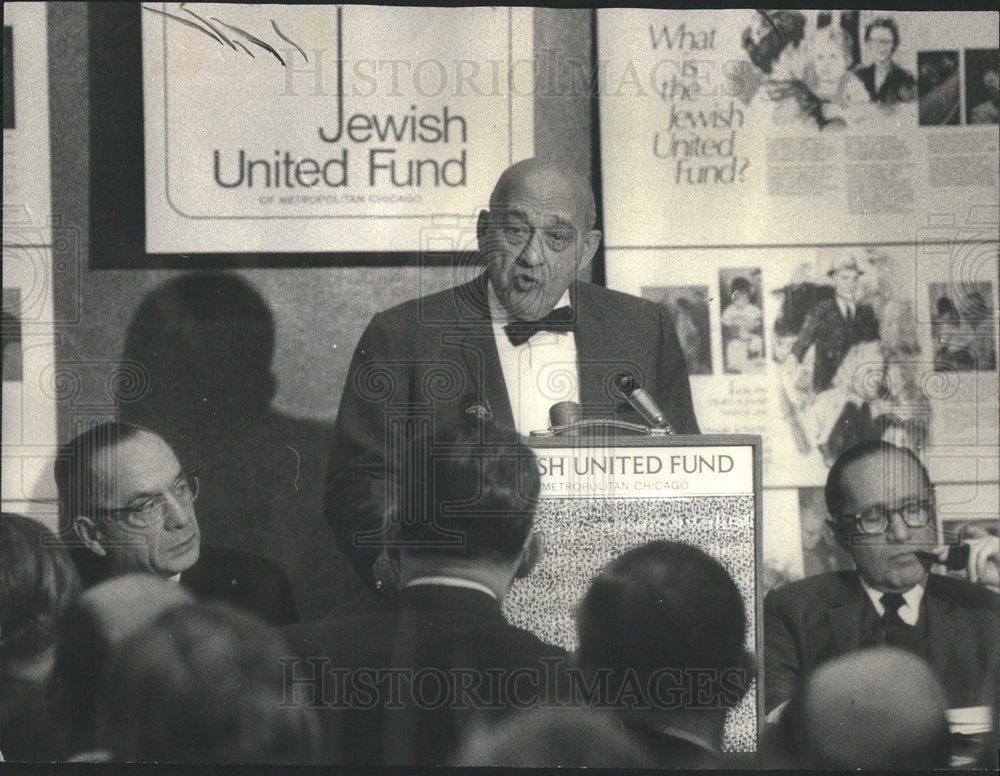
(277, 128)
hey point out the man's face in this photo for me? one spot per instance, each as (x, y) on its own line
(535, 241)
(886, 561)
(880, 42)
(845, 281)
(124, 476)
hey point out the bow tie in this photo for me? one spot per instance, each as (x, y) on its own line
(561, 319)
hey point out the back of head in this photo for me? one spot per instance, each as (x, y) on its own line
(668, 607)
(557, 737)
(38, 584)
(470, 492)
(874, 709)
(205, 683)
(100, 621)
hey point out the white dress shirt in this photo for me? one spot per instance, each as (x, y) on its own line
(909, 612)
(539, 373)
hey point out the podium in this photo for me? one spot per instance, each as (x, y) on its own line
(605, 493)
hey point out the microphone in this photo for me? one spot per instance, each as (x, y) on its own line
(563, 413)
(642, 402)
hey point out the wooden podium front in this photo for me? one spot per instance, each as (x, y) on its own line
(602, 495)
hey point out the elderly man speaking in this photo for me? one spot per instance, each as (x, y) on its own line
(522, 336)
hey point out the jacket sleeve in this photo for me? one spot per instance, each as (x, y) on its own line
(354, 502)
(675, 388)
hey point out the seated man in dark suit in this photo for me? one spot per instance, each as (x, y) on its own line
(666, 624)
(123, 492)
(399, 686)
(881, 502)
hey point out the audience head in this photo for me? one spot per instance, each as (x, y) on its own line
(468, 498)
(672, 615)
(38, 584)
(873, 709)
(129, 501)
(102, 618)
(881, 503)
(554, 738)
(204, 683)
(537, 235)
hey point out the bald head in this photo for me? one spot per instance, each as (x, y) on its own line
(123, 605)
(537, 236)
(873, 709)
(569, 182)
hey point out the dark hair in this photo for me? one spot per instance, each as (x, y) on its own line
(889, 24)
(38, 584)
(833, 492)
(205, 683)
(945, 306)
(740, 284)
(469, 491)
(665, 605)
(73, 468)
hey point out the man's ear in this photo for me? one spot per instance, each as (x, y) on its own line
(482, 224)
(591, 241)
(531, 553)
(86, 528)
(840, 534)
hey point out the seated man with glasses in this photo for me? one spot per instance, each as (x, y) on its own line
(881, 502)
(126, 506)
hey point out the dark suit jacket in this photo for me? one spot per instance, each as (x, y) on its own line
(450, 636)
(436, 356)
(898, 86)
(834, 336)
(818, 618)
(247, 581)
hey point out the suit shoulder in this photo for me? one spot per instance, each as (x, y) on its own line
(441, 305)
(963, 593)
(609, 298)
(221, 560)
(807, 592)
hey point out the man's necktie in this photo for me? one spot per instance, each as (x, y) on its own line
(897, 632)
(561, 319)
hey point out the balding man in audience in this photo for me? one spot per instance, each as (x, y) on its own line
(882, 509)
(666, 624)
(131, 506)
(204, 683)
(103, 617)
(876, 709)
(399, 686)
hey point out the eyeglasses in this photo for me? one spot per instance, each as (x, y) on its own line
(149, 510)
(875, 520)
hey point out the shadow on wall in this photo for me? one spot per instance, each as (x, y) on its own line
(206, 341)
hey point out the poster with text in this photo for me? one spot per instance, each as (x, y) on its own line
(745, 127)
(293, 128)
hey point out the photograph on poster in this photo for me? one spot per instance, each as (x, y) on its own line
(742, 320)
(982, 86)
(962, 327)
(940, 88)
(825, 71)
(688, 308)
(844, 340)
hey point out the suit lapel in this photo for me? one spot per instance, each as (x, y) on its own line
(845, 617)
(940, 628)
(476, 342)
(592, 348)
